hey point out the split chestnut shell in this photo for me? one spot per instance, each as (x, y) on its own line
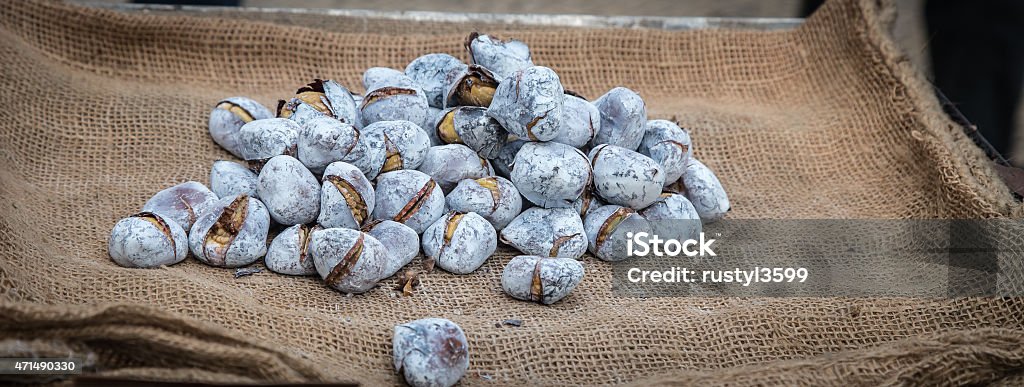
(405, 144)
(541, 279)
(232, 233)
(495, 198)
(321, 98)
(349, 261)
(460, 242)
(529, 104)
(607, 228)
(327, 98)
(547, 232)
(147, 240)
(394, 97)
(410, 197)
(227, 118)
(503, 57)
(289, 252)
(346, 197)
(369, 155)
(433, 73)
(471, 126)
(587, 201)
(474, 87)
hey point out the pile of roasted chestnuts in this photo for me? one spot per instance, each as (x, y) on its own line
(444, 158)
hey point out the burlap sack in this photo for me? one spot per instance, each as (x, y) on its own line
(99, 110)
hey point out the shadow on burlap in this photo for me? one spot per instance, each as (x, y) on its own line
(102, 109)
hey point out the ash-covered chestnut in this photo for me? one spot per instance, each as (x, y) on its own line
(433, 73)
(147, 240)
(495, 198)
(705, 191)
(608, 227)
(672, 216)
(289, 190)
(550, 174)
(227, 118)
(327, 97)
(343, 104)
(263, 139)
(541, 279)
(230, 178)
(410, 197)
(289, 252)
(475, 86)
(470, 125)
(405, 144)
(460, 242)
(624, 177)
(349, 261)
(503, 57)
(669, 145)
(324, 140)
(392, 98)
(529, 104)
(431, 352)
(232, 233)
(375, 77)
(547, 232)
(346, 197)
(580, 122)
(452, 163)
(401, 242)
(623, 116)
(506, 156)
(182, 203)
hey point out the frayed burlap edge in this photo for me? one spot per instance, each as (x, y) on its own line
(167, 340)
(940, 134)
